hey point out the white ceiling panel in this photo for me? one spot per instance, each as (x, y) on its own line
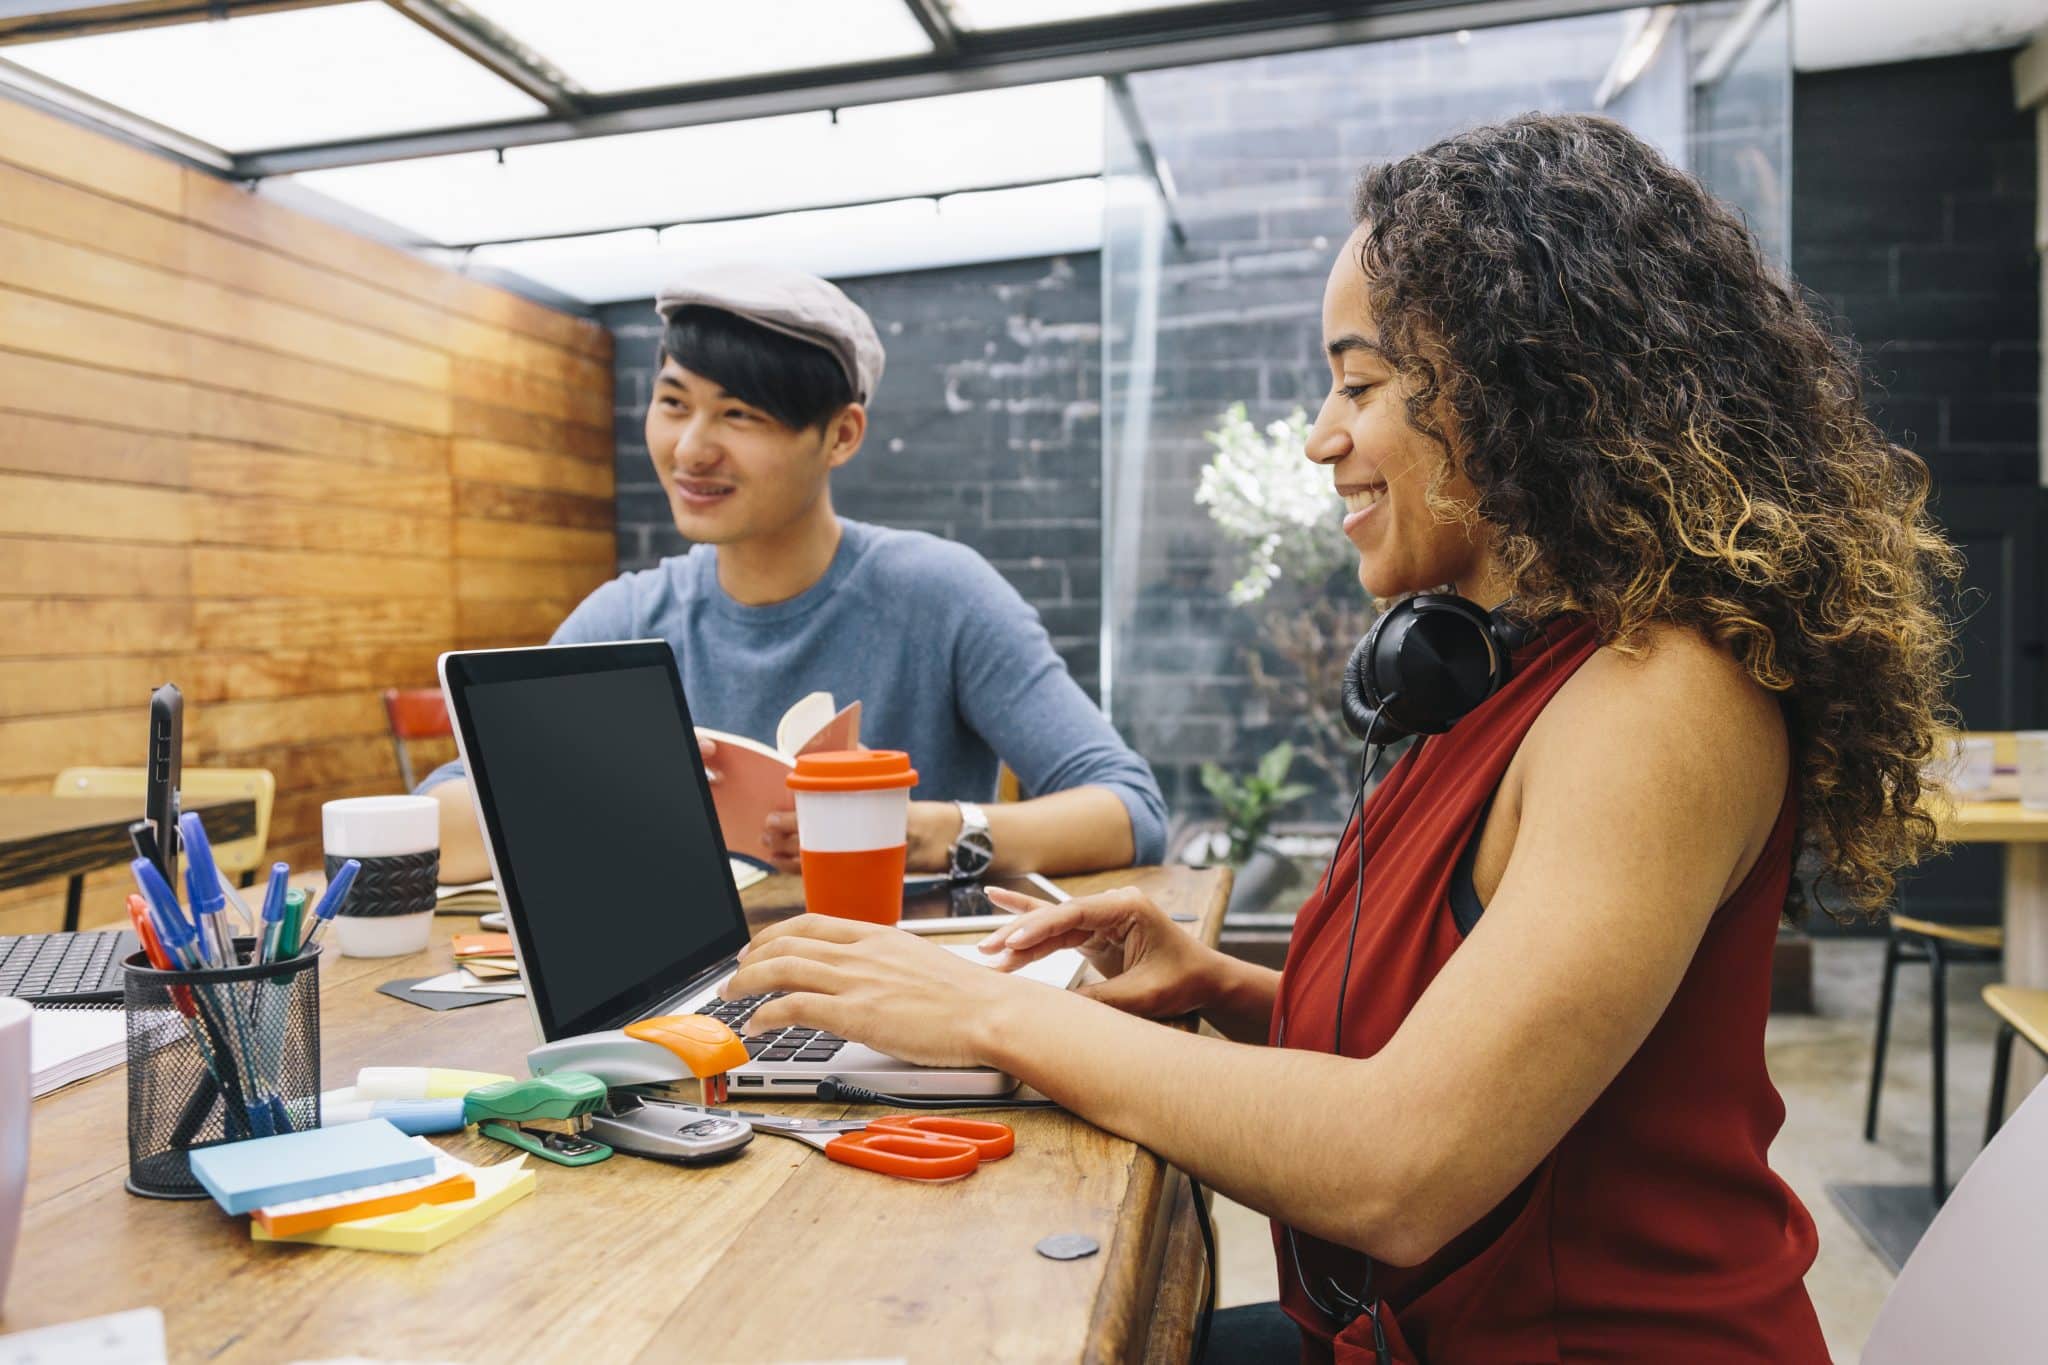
(914, 147)
(612, 45)
(912, 234)
(280, 79)
(1837, 33)
(1024, 13)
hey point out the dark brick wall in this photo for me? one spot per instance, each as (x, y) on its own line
(1264, 154)
(986, 430)
(1912, 214)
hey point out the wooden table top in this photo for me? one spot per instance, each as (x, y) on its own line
(46, 837)
(779, 1255)
(1993, 822)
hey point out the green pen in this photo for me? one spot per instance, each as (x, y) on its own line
(294, 907)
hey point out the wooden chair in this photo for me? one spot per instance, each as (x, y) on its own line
(415, 713)
(1971, 1288)
(2022, 1013)
(1939, 945)
(241, 859)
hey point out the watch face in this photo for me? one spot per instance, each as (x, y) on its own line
(973, 851)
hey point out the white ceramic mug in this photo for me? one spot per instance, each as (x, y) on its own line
(2032, 747)
(1965, 767)
(14, 1116)
(390, 910)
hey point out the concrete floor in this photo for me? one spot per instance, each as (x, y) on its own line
(1821, 1063)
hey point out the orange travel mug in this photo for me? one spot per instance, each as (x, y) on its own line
(852, 825)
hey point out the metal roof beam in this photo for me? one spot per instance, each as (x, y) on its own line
(982, 62)
(937, 22)
(492, 48)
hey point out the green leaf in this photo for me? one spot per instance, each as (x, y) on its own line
(1274, 765)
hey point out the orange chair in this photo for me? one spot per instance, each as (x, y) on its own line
(415, 713)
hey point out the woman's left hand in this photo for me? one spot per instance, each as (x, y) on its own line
(875, 984)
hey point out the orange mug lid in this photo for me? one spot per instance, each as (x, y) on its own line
(853, 770)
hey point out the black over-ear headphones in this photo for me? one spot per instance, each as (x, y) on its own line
(1427, 661)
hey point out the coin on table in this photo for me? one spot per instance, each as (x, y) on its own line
(1068, 1246)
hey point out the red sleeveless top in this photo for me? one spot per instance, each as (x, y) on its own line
(1655, 1230)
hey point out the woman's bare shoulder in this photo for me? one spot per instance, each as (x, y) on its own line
(1671, 696)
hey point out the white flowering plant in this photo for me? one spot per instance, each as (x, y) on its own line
(1284, 516)
(1282, 511)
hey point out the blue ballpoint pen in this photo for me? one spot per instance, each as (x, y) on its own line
(330, 904)
(202, 880)
(273, 912)
(171, 925)
(187, 951)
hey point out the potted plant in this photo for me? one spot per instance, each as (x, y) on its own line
(1248, 805)
(1284, 516)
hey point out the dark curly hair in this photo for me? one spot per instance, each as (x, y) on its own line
(1660, 429)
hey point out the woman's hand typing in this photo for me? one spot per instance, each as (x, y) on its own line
(877, 985)
(1152, 966)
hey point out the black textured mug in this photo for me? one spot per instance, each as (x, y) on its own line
(397, 839)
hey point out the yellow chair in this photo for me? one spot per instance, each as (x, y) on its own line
(2022, 1013)
(240, 859)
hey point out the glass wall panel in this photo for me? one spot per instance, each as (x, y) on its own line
(1742, 114)
(1231, 601)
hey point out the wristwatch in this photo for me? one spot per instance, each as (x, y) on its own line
(974, 848)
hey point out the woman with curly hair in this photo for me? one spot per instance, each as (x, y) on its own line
(1507, 1101)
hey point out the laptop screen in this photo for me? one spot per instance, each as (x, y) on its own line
(593, 795)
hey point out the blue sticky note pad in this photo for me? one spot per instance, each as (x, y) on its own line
(247, 1175)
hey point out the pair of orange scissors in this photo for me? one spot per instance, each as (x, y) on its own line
(928, 1147)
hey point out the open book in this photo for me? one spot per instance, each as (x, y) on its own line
(753, 777)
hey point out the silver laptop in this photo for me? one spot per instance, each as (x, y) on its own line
(607, 852)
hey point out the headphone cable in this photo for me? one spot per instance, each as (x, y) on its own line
(1364, 1304)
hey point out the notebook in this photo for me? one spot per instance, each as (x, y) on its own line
(419, 1230)
(70, 1043)
(242, 1176)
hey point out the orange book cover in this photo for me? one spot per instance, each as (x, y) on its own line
(753, 777)
(308, 1215)
(482, 945)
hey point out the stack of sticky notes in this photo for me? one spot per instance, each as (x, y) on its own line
(488, 957)
(470, 898)
(356, 1185)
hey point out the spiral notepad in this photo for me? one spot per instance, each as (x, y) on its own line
(71, 1042)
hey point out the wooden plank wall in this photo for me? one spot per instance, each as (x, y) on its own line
(279, 464)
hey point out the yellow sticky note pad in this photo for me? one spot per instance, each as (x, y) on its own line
(421, 1229)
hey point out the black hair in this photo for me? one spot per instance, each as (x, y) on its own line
(798, 384)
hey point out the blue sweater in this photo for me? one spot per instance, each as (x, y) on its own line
(947, 661)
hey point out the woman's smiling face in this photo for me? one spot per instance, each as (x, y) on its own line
(1384, 467)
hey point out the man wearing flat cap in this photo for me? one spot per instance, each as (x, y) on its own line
(765, 382)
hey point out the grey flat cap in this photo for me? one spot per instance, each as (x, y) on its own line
(792, 303)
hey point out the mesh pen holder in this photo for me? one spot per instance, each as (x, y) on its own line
(216, 1056)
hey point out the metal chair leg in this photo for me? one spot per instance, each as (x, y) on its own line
(74, 898)
(1937, 966)
(2001, 1070)
(1884, 1033)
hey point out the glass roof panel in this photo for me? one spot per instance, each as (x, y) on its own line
(279, 79)
(1024, 13)
(903, 234)
(611, 45)
(915, 147)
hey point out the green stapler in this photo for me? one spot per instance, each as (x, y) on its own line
(546, 1115)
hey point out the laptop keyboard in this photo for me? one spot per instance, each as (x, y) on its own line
(42, 966)
(776, 1045)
